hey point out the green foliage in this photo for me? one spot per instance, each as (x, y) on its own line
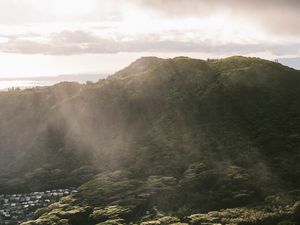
(111, 222)
(116, 187)
(240, 216)
(287, 223)
(163, 135)
(152, 222)
(115, 213)
(62, 214)
(166, 220)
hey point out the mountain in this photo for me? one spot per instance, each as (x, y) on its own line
(163, 137)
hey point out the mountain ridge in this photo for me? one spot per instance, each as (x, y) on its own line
(178, 136)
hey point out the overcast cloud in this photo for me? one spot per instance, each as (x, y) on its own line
(65, 27)
(81, 42)
(214, 28)
(278, 16)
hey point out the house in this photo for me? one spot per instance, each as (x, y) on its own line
(17, 208)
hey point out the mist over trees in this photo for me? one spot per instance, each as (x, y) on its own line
(184, 134)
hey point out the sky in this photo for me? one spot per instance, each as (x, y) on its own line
(52, 37)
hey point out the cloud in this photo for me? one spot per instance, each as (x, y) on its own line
(32, 27)
(37, 11)
(63, 43)
(80, 42)
(291, 62)
(280, 17)
(73, 37)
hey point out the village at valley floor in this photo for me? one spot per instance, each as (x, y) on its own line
(17, 208)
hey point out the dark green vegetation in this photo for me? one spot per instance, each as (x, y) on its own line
(162, 137)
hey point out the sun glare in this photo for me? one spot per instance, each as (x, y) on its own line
(71, 7)
(216, 28)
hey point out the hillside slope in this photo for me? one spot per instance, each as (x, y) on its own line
(175, 135)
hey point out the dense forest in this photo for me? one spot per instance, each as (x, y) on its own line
(162, 141)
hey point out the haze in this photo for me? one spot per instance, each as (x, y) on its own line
(41, 38)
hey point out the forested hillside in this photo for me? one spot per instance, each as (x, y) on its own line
(160, 137)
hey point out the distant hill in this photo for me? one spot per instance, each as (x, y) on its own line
(41, 81)
(162, 136)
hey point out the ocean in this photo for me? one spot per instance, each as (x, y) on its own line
(29, 82)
